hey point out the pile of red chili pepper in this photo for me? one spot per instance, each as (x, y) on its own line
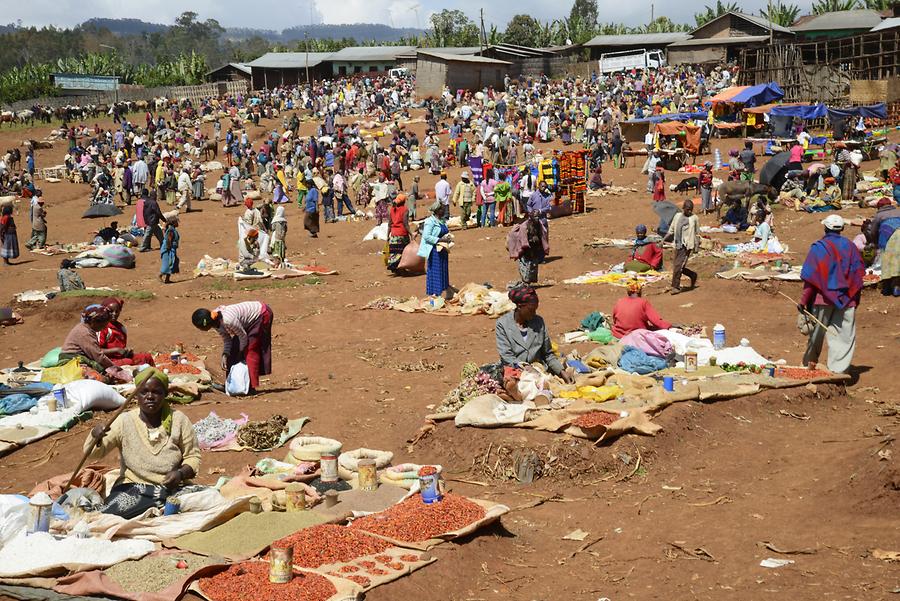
(414, 521)
(427, 470)
(328, 543)
(251, 580)
(801, 373)
(163, 358)
(180, 369)
(360, 580)
(595, 418)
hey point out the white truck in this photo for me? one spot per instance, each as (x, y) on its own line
(611, 62)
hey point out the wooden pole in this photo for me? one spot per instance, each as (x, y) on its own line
(810, 315)
(95, 442)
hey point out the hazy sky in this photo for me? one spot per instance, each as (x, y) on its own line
(279, 14)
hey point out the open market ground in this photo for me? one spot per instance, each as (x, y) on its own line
(807, 474)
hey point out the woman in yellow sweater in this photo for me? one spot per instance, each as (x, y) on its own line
(158, 449)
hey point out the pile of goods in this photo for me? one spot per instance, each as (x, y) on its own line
(155, 573)
(328, 543)
(374, 568)
(473, 383)
(414, 521)
(212, 429)
(241, 580)
(734, 367)
(262, 435)
(182, 365)
(801, 373)
(595, 419)
(384, 303)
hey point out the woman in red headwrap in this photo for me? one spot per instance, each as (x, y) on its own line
(113, 339)
(633, 312)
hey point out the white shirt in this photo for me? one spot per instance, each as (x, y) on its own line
(442, 191)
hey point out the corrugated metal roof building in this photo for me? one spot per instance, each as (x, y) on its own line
(366, 59)
(603, 44)
(434, 70)
(721, 39)
(837, 24)
(288, 68)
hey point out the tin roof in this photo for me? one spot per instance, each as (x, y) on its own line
(461, 58)
(637, 39)
(289, 60)
(843, 19)
(370, 53)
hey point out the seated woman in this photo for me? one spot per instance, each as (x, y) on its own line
(736, 216)
(114, 338)
(763, 238)
(82, 339)
(645, 255)
(596, 181)
(248, 249)
(67, 277)
(157, 446)
(635, 313)
(522, 339)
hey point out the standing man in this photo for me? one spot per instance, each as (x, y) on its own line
(590, 128)
(464, 196)
(413, 197)
(38, 223)
(748, 158)
(686, 231)
(832, 284)
(184, 190)
(539, 203)
(443, 192)
(140, 173)
(152, 216)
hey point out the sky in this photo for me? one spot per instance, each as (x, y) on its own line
(280, 14)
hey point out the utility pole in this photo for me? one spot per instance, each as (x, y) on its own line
(652, 15)
(769, 15)
(483, 34)
(306, 35)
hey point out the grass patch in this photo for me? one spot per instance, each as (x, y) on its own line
(141, 295)
(225, 284)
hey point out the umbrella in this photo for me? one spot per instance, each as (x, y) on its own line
(101, 209)
(773, 172)
(666, 211)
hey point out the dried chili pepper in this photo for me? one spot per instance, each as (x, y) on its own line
(410, 558)
(235, 583)
(329, 543)
(413, 521)
(595, 419)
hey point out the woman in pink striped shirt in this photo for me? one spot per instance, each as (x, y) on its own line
(246, 331)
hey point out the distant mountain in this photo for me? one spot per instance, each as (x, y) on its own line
(125, 26)
(378, 32)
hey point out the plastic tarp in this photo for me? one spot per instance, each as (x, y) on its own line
(803, 111)
(749, 95)
(874, 111)
(670, 117)
(691, 134)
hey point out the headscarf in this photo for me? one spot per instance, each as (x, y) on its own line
(435, 206)
(634, 287)
(248, 202)
(112, 304)
(252, 233)
(523, 295)
(94, 312)
(165, 410)
(279, 215)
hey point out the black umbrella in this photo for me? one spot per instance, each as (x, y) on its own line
(666, 211)
(774, 171)
(101, 209)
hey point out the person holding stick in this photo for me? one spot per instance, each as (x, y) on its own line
(157, 445)
(832, 285)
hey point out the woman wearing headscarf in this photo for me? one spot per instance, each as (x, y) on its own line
(277, 247)
(633, 312)
(246, 330)
(168, 250)
(280, 194)
(248, 249)
(523, 339)
(435, 231)
(311, 209)
(645, 254)
(535, 248)
(253, 219)
(398, 231)
(82, 339)
(9, 239)
(114, 338)
(157, 446)
(231, 184)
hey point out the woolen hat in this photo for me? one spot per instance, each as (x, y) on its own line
(834, 223)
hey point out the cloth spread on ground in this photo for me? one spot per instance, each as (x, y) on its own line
(218, 267)
(110, 255)
(472, 299)
(618, 279)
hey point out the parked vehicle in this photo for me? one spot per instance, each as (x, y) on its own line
(626, 60)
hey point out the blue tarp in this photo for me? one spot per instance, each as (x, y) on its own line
(875, 111)
(803, 111)
(670, 117)
(759, 95)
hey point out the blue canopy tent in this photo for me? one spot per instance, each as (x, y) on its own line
(803, 111)
(670, 117)
(874, 111)
(749, 96)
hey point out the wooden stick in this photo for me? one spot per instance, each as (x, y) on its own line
(94, 444)
(810, 315)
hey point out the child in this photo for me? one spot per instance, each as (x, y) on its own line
(67, 276)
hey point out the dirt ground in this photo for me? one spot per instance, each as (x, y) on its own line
(799, 471)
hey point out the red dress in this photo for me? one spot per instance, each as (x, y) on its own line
(659, 187)
(635, 313)
(116, 336)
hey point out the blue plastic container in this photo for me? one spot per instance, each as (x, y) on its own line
(669, 383)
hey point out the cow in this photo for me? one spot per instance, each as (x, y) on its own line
(741, 191)
(7, 117)
(209, 147)
(141, 105)
(26, 116)
(15, 159)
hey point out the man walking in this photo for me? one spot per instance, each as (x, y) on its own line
(443, 192)
(686, 231)
(832, 284)
(464, 196)
(152, 216)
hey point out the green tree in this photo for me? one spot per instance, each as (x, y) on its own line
(781, 14)
(524, 30)
(829, 6)
(453, 28)
(664, 25)
(879, 4)
(714, 12)
(581, 25)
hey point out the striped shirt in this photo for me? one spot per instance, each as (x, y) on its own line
(236, 320)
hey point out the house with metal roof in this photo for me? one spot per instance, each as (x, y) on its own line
(230, 72)
(288, 68)
(721, 39)
(408, 60)
(839, 24)
(436, 69)
(366, 59)
(604, 44)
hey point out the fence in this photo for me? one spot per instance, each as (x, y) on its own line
(823, 71)
(134, 93)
